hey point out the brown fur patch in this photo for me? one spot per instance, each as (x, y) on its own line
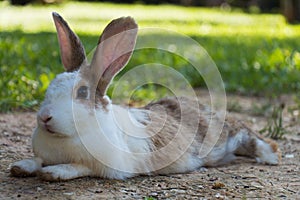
(186, 120)
(178, 124)
(273, 144)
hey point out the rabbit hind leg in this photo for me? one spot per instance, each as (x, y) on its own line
(247, 143)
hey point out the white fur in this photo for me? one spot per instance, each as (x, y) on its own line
(265, 154)
(28, 166)
(115, 137)
(234, 142)
(112, 143)
(115, 129)
(64, 172)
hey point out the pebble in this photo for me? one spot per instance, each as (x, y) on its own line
(219, 196)
(257, 185)
(289, 156)
(154, 194)
(68, 193)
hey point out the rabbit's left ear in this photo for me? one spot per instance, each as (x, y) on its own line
(71, 50)
(114, 50)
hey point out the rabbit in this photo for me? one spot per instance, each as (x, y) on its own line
(81, 133)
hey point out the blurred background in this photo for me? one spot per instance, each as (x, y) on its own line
(254, 43)
(290, 8)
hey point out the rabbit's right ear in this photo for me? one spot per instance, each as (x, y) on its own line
(114, 50)
(71, 50)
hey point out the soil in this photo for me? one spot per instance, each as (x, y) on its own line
(242, 179)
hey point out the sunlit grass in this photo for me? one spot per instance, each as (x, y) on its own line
(255, 53)
(90, 18)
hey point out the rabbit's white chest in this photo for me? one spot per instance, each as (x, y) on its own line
(55, 150)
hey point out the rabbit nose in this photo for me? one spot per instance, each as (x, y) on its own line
(45, 116)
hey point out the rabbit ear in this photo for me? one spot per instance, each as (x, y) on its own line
(114, 50)
(71, 50)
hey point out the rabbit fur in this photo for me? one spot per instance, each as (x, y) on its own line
(130, 141)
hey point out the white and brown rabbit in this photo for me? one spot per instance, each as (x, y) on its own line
(81, 133)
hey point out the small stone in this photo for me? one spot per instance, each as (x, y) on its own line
(68, 193)
(289, 156)
(219, 196)
(257, 185)
(200, 186)
(39, 189)
(154, 194)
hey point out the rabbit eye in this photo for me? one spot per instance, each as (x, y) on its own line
(82, 92)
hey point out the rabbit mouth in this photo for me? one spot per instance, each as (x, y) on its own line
(48, 129)
(52, 132)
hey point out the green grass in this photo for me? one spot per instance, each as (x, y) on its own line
(255, 53)
(275, 128)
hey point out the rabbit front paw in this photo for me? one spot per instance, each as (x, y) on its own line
(49, 175)
(25, 168)
(63, 172)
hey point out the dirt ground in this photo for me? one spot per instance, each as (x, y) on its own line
(243, 179)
